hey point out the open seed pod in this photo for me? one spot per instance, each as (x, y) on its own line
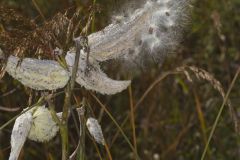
(36, 124)
(43, 127)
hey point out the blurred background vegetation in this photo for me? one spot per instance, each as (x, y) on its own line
(175, 118)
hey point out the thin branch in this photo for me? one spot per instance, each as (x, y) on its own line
(40, 101)
(6, 109)
(39, 10)
(149, 89)
(8, 93)
(81, 115)
(118, 126)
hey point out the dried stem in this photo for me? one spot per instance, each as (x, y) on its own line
(39, 10)
(219, 114)
(81, 114)
(118, 126)
(40, 101)
(201, 74)
(150, 88)
(67, 103)
(132, 118)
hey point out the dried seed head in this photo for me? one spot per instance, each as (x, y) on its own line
(158, 25)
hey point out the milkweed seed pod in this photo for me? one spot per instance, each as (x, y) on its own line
(43, 128)
(19, 134)
(91, 76)
(148, 33)
(37, 74)
(95, 130)
(1, 54)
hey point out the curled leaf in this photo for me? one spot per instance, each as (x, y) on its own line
(19, 134)
(91, 76)
(95, 130)
(37, 74)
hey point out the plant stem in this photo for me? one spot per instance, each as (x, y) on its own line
(40, 101)
(108, 151)
(81, 114)
(132, 118)
(67, 103)
(137, 105)
(65, 144)
(93, 19)
(64, 136)
(118, 126)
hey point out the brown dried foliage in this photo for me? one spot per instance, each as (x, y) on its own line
(21, 36)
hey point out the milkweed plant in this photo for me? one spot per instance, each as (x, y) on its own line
(140, 36)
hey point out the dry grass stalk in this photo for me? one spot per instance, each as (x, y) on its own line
(204, 75)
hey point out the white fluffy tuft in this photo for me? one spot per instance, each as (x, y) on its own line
(43, 127)
(148, 33)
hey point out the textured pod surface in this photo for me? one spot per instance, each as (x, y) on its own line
(95, 130)
(148, 33)
(37, 74)
(43, 126)
(19, 134)
(1, 54)
(91, 76)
